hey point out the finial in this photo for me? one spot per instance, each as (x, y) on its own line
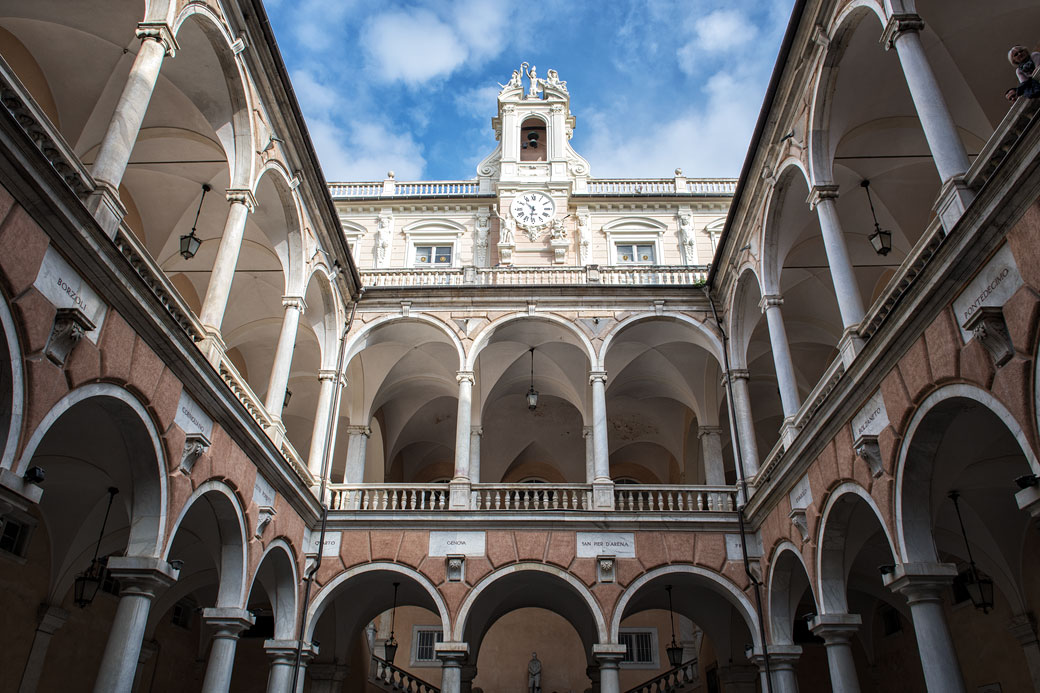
(390, 174)
(678, 171)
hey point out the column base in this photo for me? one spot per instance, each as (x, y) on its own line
(603, 495)
(459, 494)
(954, 198)
(106, 208)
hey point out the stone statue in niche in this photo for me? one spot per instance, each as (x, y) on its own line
(686, 239)
(483, 231)
(507, 231)
(534, 674)
(383, 237)
(584, 237)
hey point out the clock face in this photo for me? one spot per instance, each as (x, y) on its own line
(533, 208)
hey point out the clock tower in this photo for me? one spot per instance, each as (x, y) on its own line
(533, 170)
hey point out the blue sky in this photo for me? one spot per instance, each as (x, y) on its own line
(411, 86)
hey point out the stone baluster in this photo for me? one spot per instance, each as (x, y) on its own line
(227, 625)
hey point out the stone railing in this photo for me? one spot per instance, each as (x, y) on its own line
(391, 497)
(392, 188)
(1018, 117)
(156, 281)
(662, 186)
(245, 394)
(386, 676)
(671, 680)
(818, 396)
(643, 498)
(615, 275)
(355, 189)
(492, 497)
(468, 188)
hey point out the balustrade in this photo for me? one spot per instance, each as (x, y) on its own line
(653, 275)
(493, 497)
(678, 499)
(394, 679)
(389, 497)
(672, 680)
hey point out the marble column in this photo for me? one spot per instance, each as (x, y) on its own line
(357, 445)
(294, 306)
(785, 378)
(903, 33)
(711, 455)
(330, 385)
(227, 625)
(328, 677)
(215, 303)
(590, 454)
(140, 580)
(451, 655)
(1023, 628)
(850, 304)
(282, 654)
(49, 619)
(609, 657)
(837, 631)
(923, 585)
(149, 648)
(782, 662)
(602, 485)
(157, 41)
(461, 483)
(475, 433)
(468, 672)
(744, 424)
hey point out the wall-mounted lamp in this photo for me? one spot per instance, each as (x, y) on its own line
(190, 242)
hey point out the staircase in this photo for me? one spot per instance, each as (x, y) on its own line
(681, 678)
(386, 677)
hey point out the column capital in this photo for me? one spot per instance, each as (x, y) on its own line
(242, 196)
(595, 376)
(898, 24)
(355, 430)
(295, 302)
(835, 628)
(821, 192)
(476, 430)
(464, 377)
(160, 32)
(770, 301)
(142, 575)
(284, 651)
(708, 431)
(780, 656)
(921, 582)
(451, 654)
(586, 431)
(736, 374)
(331, 374)
(609, 655)
(227, 622)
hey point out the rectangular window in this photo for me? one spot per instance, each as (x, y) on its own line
(635, 254)
(640, 646)
(424, 639)
(433, 255)
(181, 613)
(14, 536)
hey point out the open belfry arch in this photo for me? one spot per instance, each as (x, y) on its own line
(261, 431)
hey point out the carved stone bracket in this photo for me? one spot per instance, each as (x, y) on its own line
(987, 325)
(868, 449)
(264, 516)
(70, 324)
(455, 568)
(606, 568)
(799, 520)
(195, 444)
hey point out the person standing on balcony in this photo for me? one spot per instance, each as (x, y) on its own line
(1025, 64)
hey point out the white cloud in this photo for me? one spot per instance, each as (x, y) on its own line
(316, 23)
(365, 150)
(716, 33)
(480, 102)
(412, 48)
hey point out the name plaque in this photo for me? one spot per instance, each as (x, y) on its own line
(458, 543)
(993, 286)
(263, 493)
(871, 419)
(801, 494)
(191, 418)
(329, 548)
(620, 544)
(64, 288)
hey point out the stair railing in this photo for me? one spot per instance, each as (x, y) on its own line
(390, 678)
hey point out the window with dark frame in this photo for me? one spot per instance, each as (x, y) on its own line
(424, 644)
(639, 646)
(14, 535)
(635, 253)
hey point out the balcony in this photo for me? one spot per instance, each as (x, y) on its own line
(588, 275)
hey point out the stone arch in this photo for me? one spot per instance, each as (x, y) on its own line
(918, 518)
(702, 576)
(12, 386)
(227, 511)
(148, 509)
(292, 255)
(783, 569)
(711, 341)
(831, 569)
(481, 340)
(240, 143)
(540, 591)
(278, 569)
(772, 254)
(740, 326)
(356, 342)
(324, 598)
(321, 277)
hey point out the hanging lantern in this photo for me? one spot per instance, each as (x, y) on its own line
(89, 581)
(390, 646)
(979, 587)
(881, 239)
(189, 244)
(532, 394)
(674, 650)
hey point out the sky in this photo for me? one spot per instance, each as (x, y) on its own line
(411, 85)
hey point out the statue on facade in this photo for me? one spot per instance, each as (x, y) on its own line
(507, 229)
(383, 237)
(584, 238)
(534, 674)
(553, 80)
(532, 74)
(513, 82)
(686, 239)
(483, 231)
(559, 231)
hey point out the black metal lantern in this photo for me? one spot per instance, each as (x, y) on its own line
(979, 587)
(89, 581)
(288, 396)
(674, 650)
(881, 239)
(190, 243)
(532, 394)
(390, 646)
